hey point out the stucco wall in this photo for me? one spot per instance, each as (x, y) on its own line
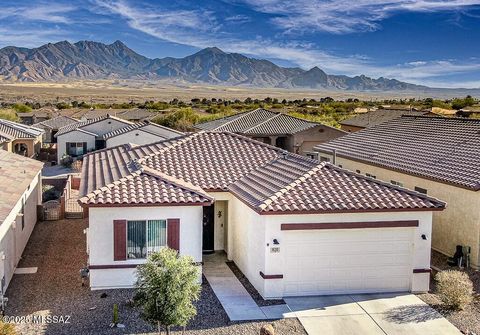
(458, 224)
(274, 262)
(305, 141)
(100, 239)
(136, 136)
(105, 126)
(73, 136)
(12, 238)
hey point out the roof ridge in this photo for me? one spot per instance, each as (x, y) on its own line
(240, 116)
(277, 114)
(291, 185)
(175, 181)
(179, 141)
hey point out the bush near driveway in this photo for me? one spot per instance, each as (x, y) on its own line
(454, 288)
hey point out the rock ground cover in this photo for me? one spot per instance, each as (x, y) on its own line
(57, 248)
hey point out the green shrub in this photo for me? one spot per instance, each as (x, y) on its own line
(20, 108)
(7, 329)
(454, 288)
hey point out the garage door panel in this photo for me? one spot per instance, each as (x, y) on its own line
(348, 261)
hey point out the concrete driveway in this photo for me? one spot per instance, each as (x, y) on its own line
(372, 314)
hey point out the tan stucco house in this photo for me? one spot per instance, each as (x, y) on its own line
(294, 226)
(433, 155)
(20, 139)
(278, 129)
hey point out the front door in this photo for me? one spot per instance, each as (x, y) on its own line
(208, 228)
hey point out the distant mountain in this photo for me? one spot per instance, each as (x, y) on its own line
(94, 60)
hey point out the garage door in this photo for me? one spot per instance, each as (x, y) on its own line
(347, 261)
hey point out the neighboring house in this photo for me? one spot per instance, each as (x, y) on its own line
(469, 112)
(373, 118)
(20, 194)
(79, 138)
(434, 155)
(52, 126)
(278, 129)
(293, 226)
(139, 133)
(133, 115)
(20, 138)
(36, 116)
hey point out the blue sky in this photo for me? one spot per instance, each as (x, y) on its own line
(431, 42)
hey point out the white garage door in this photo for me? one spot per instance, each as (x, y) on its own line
(348, 261)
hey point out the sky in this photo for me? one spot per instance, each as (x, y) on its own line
(429, 42)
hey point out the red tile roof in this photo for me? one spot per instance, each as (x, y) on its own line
(438, 148)
(269, 179)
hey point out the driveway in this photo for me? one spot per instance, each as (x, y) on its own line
(373, 314)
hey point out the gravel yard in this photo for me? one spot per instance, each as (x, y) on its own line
(57, 248)
(467, 320)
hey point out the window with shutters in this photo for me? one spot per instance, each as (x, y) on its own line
(145, 237)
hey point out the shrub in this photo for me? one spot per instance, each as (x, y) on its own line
(454, 288)
(7, 329)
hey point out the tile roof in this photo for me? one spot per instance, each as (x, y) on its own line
(260, 122)
(5, 137)
(16, 173)
(442, 149)
(378, 116)
(287, 185)
(19, 130)
(81, 124)
(57, 122)
(255, 172)
(152, 128)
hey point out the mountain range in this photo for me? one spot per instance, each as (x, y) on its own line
(94, 60)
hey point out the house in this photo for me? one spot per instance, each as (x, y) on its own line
(20, 194)
(20, 139)
(433, 155)
(294, 226)
(30, 118)
(139, 133)
(275, 128)
(77, 139)
(52, 126)
(375, 117)
(133, 114)
(473, 111)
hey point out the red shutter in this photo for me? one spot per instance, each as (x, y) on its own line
(119, 240)
(173, 234)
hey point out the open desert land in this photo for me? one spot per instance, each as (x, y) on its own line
(117, 91)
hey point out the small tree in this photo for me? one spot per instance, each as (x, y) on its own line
(166, 287)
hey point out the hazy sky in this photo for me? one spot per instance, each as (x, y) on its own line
(429, 42)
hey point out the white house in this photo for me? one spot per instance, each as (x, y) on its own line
(20, 193)
(139, 133)
(292, 225)
(78, 138)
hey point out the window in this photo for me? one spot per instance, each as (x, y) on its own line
(396, 183)
(324, 159)
(145, 237)
(312, 155)
(420, 190)
(371, 176)
(76, 149)
(23, 213)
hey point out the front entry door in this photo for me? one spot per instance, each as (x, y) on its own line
(208, 228)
